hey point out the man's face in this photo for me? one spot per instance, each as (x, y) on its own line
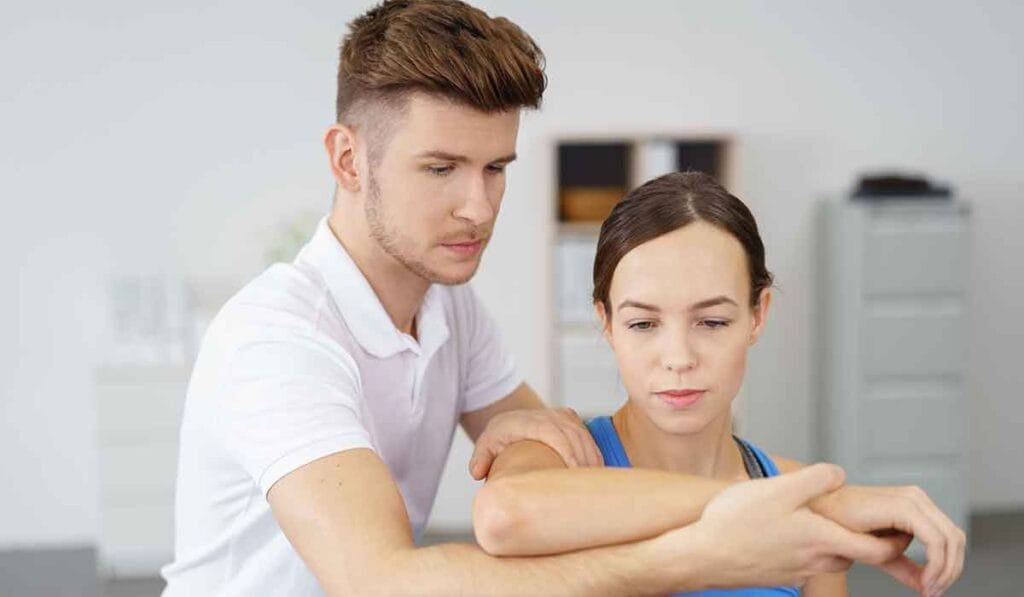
(432, 199)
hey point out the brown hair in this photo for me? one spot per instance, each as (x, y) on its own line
(668, 203)
(441, 47)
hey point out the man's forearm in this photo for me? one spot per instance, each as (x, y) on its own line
(643, 568)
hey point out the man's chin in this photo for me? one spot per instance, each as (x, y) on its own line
(454, 276)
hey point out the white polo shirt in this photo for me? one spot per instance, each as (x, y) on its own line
(304, 362)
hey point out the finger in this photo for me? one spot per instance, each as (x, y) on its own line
(836, 564)
(585, 450)
(954, 541)
(906, 571)
(579, 447)
(863, 547)
(799, 487)
(591, 455)
(483, 456)
(948, 533)
(559, 441)
(899, 540)
(934, 541)
(596, 458)
(955, 557)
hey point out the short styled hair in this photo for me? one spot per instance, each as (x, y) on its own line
(445, 48)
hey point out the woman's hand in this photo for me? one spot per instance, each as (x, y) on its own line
(761, 533)
(906, 510)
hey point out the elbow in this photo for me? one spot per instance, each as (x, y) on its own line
(498, 523)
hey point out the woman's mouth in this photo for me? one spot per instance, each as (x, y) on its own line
(681, 398)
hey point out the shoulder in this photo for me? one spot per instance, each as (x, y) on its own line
(281, 321)
(787, 465)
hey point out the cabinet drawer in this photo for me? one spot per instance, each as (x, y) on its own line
(913, 427)
(913, 339)
(915, 254)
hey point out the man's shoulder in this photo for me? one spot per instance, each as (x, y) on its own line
(286, 300)
(284, 286)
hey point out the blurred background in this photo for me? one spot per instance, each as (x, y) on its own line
(155, 158)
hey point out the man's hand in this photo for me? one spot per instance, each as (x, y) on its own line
(560, 428)
(761, 533)
(907, 510)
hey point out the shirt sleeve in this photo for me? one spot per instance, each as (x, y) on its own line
(288, 401)
(489, 371)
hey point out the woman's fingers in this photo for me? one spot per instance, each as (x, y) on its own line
(952, 536)
(905, 571)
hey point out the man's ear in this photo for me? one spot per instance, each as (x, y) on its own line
(341, 142)
(605, 320)
(760, 314)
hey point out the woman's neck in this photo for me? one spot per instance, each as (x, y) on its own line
(710, 452)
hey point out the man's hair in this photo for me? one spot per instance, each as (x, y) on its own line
(441, 47)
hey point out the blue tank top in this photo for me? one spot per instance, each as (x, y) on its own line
(758, 464)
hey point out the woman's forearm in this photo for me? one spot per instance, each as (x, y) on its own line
(533, 505)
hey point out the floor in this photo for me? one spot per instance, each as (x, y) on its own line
(994, 568)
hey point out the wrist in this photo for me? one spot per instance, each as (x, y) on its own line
(683, 561)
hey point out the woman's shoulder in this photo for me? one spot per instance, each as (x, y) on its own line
(787, 465)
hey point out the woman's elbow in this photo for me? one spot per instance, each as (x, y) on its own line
(497, 520)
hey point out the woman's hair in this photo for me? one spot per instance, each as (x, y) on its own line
(668, 203)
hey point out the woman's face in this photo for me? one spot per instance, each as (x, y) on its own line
(681, 324)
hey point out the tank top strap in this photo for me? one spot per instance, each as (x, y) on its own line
(758, 464)
(607, 440)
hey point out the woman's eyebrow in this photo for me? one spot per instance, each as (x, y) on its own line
(711, 302)
(637, 305)
(704, 304)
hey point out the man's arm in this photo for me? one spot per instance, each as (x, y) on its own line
(346, 519)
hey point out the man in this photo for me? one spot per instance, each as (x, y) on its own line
(323, 402)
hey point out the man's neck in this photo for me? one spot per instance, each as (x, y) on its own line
(399, 290)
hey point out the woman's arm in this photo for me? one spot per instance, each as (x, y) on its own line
(533, 505)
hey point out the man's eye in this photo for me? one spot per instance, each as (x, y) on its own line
(439, 170)
(496, 168)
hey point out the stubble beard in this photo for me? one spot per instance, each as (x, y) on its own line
(389, 240)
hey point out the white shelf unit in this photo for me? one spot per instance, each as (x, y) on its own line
(893, 337)
(138, 412)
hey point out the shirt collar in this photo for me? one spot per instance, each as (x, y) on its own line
(361, 308)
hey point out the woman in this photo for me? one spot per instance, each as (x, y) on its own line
(682, 292)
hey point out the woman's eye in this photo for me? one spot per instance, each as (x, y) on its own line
(641, 325)
(713, 324)
(440, 170)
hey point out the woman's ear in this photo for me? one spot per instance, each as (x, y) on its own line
(760, 311)
(340, 143)
(606, 324)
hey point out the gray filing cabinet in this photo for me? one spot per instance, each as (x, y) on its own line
(893, 344)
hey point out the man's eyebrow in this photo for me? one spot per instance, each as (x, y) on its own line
(460, 159)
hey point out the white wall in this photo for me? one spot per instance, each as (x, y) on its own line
(176, 139)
